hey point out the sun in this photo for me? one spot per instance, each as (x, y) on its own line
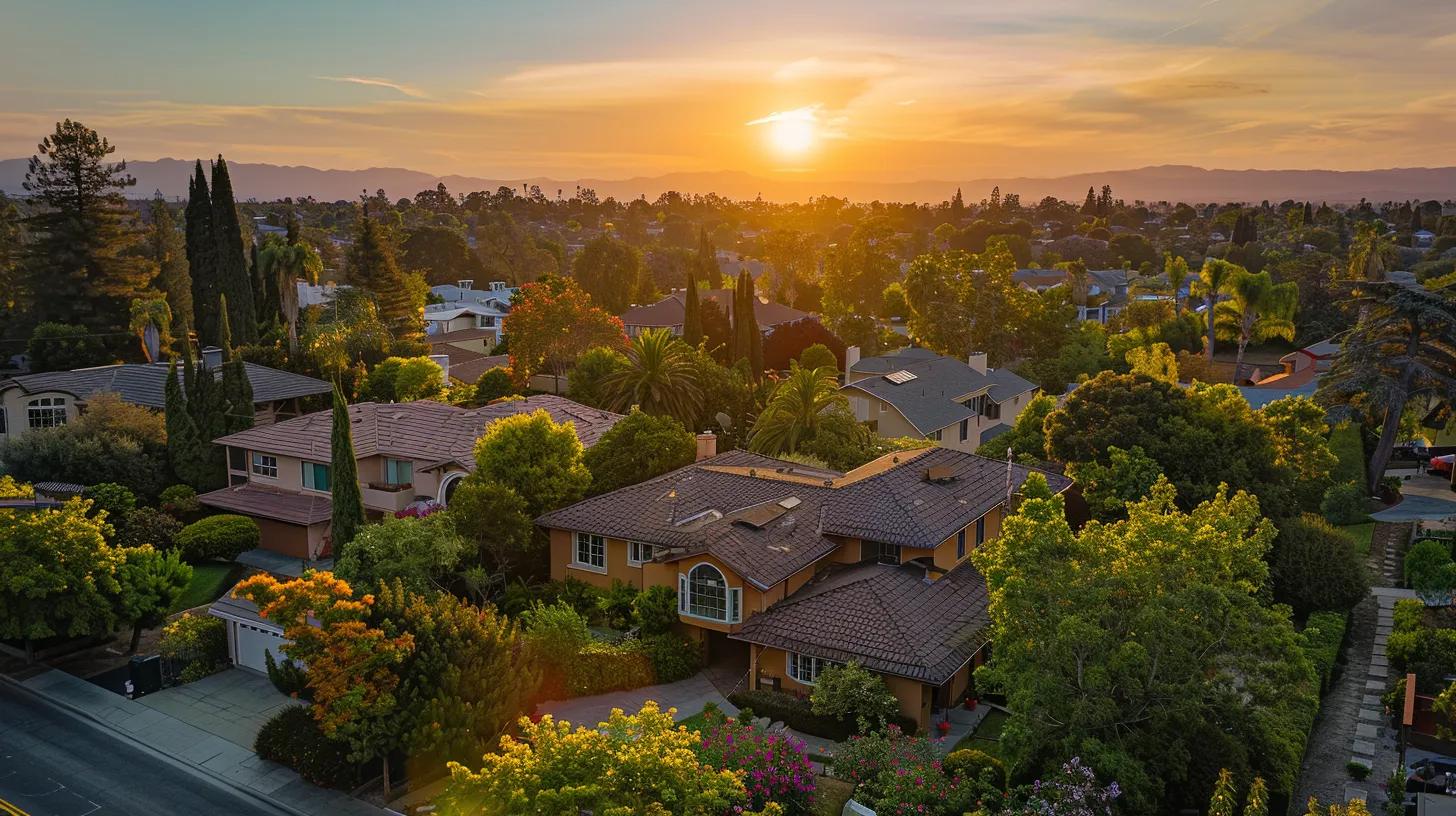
(791, 133)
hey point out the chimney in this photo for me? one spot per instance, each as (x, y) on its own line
(443, 361)
(977, 362)
(707, 445)
(465, 284)
(851, 356)
(212, 357)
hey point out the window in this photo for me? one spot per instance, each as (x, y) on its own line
(965, 429)
(316, 476)
(265, 465)
(980, 531)
(46, 412)
(399, 472)
(590, 552)
(806, 669)
(3, 429)
(887, 553)
(934, 436)
(484, 322)
(238, 460)
(639, 553)
(704, 593)
(991, 410)
(960, 545)
(448, 485)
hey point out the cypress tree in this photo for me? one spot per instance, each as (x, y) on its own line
(344, 477)
(236, 391)
(374, 268)
(1089, 207)
(1308, 215)
(165, 248)
(692, 315)
(201, 256)
(750, 320)
(184, 446)
(234, 281)
(1415, 219)
(708, 262)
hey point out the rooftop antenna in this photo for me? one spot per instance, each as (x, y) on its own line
(1008, 477)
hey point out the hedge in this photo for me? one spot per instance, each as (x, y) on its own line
(973, 763)
(673, 658)
(1324, 633)
(292, 737)
(798, 714)
(602, 667)
(223, 536)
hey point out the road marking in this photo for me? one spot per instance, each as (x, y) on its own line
(11, 810)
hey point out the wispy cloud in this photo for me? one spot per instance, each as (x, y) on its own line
(380, 82)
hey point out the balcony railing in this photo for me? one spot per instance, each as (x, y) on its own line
(388, 498)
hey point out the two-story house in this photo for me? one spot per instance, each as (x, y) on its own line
(785, 569)
(915, 392)
(408, 452)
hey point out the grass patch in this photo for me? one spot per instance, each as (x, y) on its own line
(987, 736)
(830, 795)
(1361, 534)
(210, 580)
(1345, 444)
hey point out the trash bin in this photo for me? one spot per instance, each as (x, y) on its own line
(146, 674)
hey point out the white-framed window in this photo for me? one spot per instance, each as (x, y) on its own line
(639, 553)
(316, 476)
(484, 321)
(399, 471)
(46, 412)
(590, 552)
(704, 593)
(265, 465)
(806, 669)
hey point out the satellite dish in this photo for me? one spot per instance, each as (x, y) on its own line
(724, 421)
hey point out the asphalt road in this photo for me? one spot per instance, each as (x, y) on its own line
(53, 765)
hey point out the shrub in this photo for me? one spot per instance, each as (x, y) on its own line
(1315, 567)
(900, 774)
(673, 658)
(288, 677)
(180, 500)
(117, 500)
(1358, 770)
(775, 767)
(198, 642)
(1429, 568)
(223, 536)
(973, 763)
(577, 594)
(494, 384)
(852, 693)
(1345, 504)
(1324, 633)
(615, 605)
(148, 525)
(655, 609)
(798, 714)
(1407, 615)
(293, 738)
(602, 667)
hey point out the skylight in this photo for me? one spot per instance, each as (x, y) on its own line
(900, 377)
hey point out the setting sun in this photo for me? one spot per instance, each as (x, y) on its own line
(790, 133)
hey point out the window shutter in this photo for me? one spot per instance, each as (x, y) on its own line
(735, 605)
(682, 593)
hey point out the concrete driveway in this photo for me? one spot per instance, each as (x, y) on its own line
(687, 696)
(232, 704)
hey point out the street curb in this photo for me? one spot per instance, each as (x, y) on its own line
(197, 770)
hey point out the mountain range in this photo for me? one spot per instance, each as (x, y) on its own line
(267, 182)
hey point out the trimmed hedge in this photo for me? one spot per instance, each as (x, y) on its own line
(292, 737)
(973, 763)
(223, 536)
(602, 667)
(673, 658)
(1324, 633)
(798, 714)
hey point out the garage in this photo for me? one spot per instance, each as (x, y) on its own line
(250, 637)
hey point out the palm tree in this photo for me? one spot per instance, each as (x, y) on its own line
(1257, 309)
(1213, 279)
(1370, 253)
(1176, 268)
(795, 408)
(1404, 349)
(660, 378)
(284, 264)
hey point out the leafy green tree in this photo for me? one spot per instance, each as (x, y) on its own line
(493, 520)
(348, 503)
(608, 270)
(856, 272)
(151, 583)
(536, 457)
(12, 278)
(403, 379)
(202, 258)
(659, 377)
(234, 282)
(350, 334)
(418, 553)
(1299, 431)
(441, 253)
(1314, 567)
(148, 526)
(818, 356)
(553, 322)
(1257, 310)
(494, 384)
(75, 267)
(112, 499)
(1027, 439)
(851, 692)
(588, 381)
(113, 441)
(58, 576)
(1156, 362)
(793, 413)
(1110, 488)
(64, 347)
(638, 448)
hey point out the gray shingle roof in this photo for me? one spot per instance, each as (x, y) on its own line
(889, 618)
(928, 401)
(896, 505)
(142, 384)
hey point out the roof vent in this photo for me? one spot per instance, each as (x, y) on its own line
(789, 503)
(761, 516)
(940, 474)
(900, 377)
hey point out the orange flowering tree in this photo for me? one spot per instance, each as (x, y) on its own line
(552, 323)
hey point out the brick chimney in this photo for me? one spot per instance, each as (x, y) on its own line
(977, 361)
(707, 445)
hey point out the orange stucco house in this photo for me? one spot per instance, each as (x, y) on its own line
(786, 569)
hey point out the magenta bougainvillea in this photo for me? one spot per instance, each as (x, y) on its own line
(775, 767)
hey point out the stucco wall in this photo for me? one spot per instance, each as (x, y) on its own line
(16, 402)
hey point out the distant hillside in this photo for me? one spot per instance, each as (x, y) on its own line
(266, 182)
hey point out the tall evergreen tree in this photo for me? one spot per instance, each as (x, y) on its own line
(1308, 214)
(234, 280)
(74, 268)
(692, 313)
(184, 444)
(344, 477)
(707, 259)
(164, 247)
(237, 391)
(374, 268)
(755, 336)
(201, 256)
(1089, 207)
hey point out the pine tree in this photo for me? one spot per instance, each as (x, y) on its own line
(1308, 214)
(236, 390)
(201, 256)
(1089, 207)
(164, 247)
(184, 445)
(707, 262)
(957, 205)
(232, 264)
(374, 268)
(73, 266)
(344, 477)
(692, 314)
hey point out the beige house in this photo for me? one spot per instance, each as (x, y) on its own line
(915, 392)
(782, 570)
(409, 452)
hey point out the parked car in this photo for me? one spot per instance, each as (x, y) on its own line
(1441, 465)
(1431, 776)
(1413, 451)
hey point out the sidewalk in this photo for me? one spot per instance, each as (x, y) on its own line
(687, 696)
(215, 755)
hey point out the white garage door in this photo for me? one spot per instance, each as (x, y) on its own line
(253, 642)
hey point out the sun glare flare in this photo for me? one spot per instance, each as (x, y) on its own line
(791, 133)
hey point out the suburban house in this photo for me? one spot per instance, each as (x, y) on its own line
(915, 392)
(668, 313)
(406, 453)
(463, 307)
(1299, 374)
(782, 570)
(465, 354)
(56, 397)
(1108, 290)
(496, 294)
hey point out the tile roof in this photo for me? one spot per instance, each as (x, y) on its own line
(670, 310)
(422, 431)
(146, 384)
(928, 401)
(272, 503)
(889, 618)
(461, 335)
(241, 608)
(888, 501)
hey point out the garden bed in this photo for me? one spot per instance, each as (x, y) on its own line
(987, 736)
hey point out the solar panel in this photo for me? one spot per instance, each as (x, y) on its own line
(900, 377)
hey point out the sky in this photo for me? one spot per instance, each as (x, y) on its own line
(853, 89)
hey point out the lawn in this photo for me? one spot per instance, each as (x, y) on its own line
(830, 795)
(987, 736)
(209, 581)
(1361, 535)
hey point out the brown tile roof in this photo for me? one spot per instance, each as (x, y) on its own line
(422, 431)
(889, 618)
(886, 501)
(462, 335)
(146, 384)
(469, 368)
(272, 503)
(670, 310)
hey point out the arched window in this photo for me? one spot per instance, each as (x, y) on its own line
(448, 485)
(704, 593)
(46, 412)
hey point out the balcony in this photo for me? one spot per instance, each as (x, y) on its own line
(387, 498)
